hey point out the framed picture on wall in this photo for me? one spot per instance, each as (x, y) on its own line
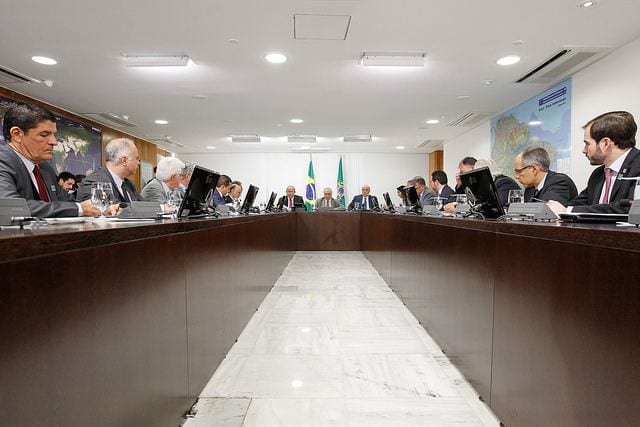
(79, 148)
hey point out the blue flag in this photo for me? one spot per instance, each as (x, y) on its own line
(310, 195)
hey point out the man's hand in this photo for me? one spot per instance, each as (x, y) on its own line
(450, 207)
(88, 209)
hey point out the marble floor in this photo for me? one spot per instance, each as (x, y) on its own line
(332, 345)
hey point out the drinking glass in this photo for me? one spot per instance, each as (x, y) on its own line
(356, 206)
(439, 202)
(174, 199)
(461, 199)
(516, 196)
(102, 197)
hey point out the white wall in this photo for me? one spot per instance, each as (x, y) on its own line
(274, 171)
(613, 83)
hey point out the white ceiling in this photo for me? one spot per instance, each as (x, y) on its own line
(321, 82)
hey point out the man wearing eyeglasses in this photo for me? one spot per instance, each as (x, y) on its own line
(168, 178)
(609, 141)
(531, 169)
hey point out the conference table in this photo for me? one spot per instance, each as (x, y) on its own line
(123, 323)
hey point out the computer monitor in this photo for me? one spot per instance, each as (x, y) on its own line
(481, 192)
(249, 199)
(413, 201)
(202, 183)
(387, 200)
(271, 201)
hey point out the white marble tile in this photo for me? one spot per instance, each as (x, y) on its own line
(437, 412)
(305, 301)
(278, 376)
(297, 340)
(210, 412)
(352, 317)
(296, 413)
(395, 375)
(382, 340)
(310, 318)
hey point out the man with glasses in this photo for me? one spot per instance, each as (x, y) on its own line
(168, 178)
(364, 201)
(327, 201)
(531, 168)
(609, 141)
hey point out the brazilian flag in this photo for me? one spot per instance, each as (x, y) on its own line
(340, 185)
(310, 195)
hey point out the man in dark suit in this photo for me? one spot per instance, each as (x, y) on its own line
(327, 201)
(291, 200)
(364, 201)
(221, 193)
(439, 186)
(609, 141)
(121, 162)
(30, 135)
(531, 168)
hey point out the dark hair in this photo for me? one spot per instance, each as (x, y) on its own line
(224, 180)
(25, 117)
(64, 176)
(418, 180)
(469, 161)
(618, 126)
(536, 156)
(439, 176)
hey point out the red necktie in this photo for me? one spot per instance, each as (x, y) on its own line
(290, 202)
(42, 187)
(607, 185)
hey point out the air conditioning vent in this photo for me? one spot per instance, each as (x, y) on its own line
(241, 139)
(7, 75)
(357, 138)
(470, 119)
(110, 119)
(429, 143)
(167, 142)
(563, 63)
(302, 138)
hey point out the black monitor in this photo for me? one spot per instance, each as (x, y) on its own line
(194, 203)
(249, 199)
(387, 200)
(413, 201)
(481, 192)
(271, 201)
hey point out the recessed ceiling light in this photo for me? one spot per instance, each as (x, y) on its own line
(44, 60)
(487, 82)
(161, 122)
(210, 147)
(433, 122)
(399, 147)
(279, 125)
(517, 42)
(199, 96)
(463, 97)
(275, 58)
(296, 121)
(508, 60)
(157, 60)
(233, 41)
(535, 123)
(587, 3)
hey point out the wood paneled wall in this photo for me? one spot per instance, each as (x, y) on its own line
(148, 151)
(436, 162)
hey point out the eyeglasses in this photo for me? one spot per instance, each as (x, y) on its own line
(522, 169)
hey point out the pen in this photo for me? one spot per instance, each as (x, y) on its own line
(538, 200)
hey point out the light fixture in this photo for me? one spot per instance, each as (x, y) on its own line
(399, 147)
(45, 60)
(587, 4)
(393, 59)
(296, 121)
(245, 138)
(433, 121)
(357, 138)
(487, 82)
(508, 60)
(161, 122)
(463, 97)
(296, 383)
(275, 58)
(210, 147)
(302, 138)
(535, 123)
(156, 60)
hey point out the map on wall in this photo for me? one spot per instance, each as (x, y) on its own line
(542, 121)
(79, 148)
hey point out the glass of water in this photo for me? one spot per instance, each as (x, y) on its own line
(516, 196)
(102, 197)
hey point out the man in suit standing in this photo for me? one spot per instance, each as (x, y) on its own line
(425, 195)
(221, 193)
(25, 172)
(364, 201)
(609, 141)
(531, 168)
(121, 162)
(168, 178)
(327, 201)
(439, 186)
(291, 200)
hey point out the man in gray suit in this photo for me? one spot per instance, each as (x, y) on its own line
(425, 194)
(121, 161)
(168, 178)
(30, 135)
(327, 201)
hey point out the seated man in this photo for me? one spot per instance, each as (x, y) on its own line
(235, 191)
(364, 201)
(25, 172)
(465, 165)
(609, 141)
(291, 200)
(327, 201)
(424, 194)
(504, 183)
(67, 181)
(221, 193)
(168, 178)
(531, 168)
(440, 187)
(121, 162)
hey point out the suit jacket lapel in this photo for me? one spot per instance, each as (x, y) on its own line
(623, 172)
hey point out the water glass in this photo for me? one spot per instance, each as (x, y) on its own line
(102, 197)
(461, 199)
(516, 196)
